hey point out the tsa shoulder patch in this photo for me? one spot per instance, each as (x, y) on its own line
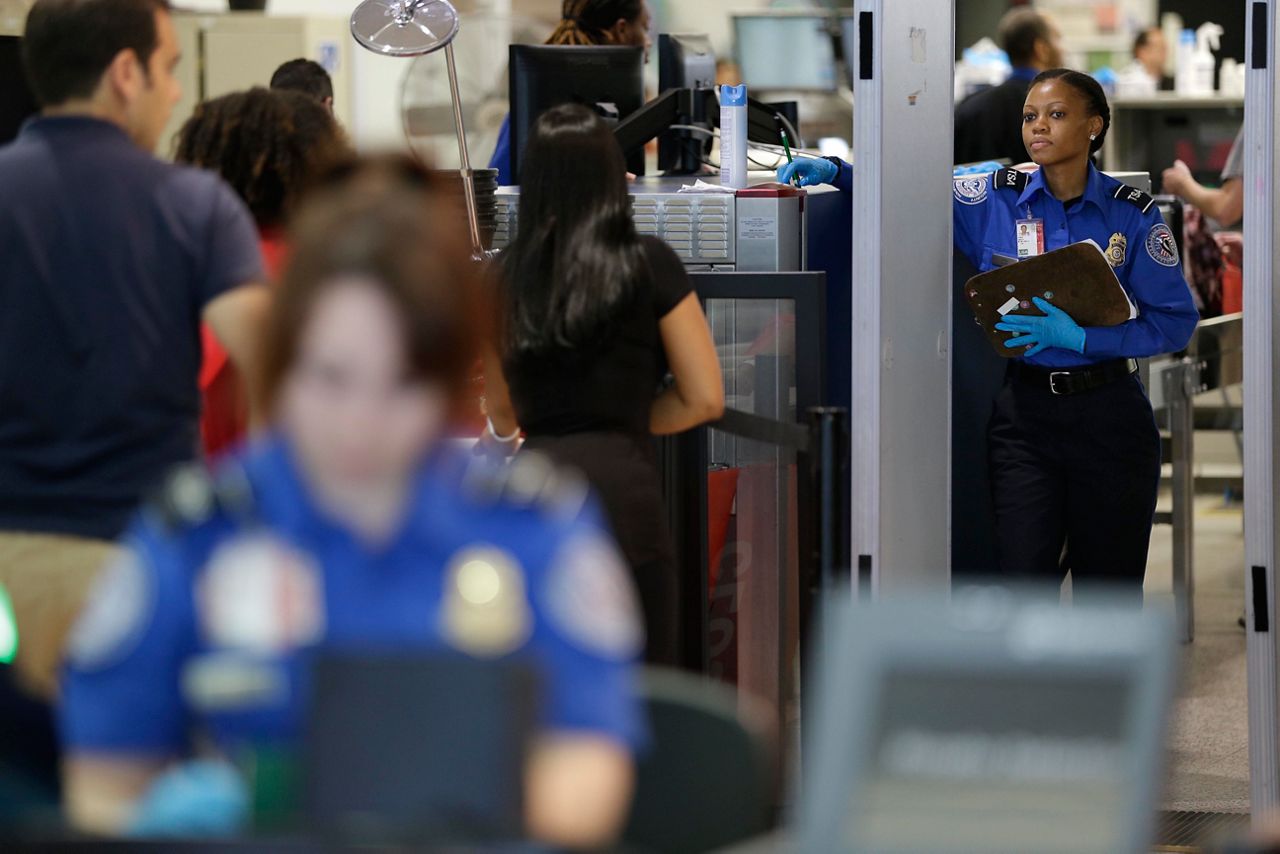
(258, 594)
(1161, 246)
(971, 189)
(1012, 179)
(115, 615)
(1134, 196)
(591, 601)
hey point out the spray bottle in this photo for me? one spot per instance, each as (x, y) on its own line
(1182, 75)
(733, 137)
(1202, 63)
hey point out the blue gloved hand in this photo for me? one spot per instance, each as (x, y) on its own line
(195, 799)
(808, 172)
(1055, 329)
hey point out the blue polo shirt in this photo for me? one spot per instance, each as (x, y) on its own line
(248, 593)
(109, 258)
(1118, 219)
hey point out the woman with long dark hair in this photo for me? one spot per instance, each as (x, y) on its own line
(592, 318)
(586, 23)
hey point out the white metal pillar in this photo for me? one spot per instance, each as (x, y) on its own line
(1261, 370)
(901, 414)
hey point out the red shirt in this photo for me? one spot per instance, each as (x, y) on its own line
(225, 410)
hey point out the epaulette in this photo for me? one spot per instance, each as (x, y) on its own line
(191, 495)
(529, 480)
(1012, 179)
(1134, 196)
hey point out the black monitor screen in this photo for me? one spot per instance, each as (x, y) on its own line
(607, 79)
(686, 62)
(17, 104)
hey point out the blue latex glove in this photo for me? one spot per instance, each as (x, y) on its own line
(808, 172)
(1055, 329)
(196, 799)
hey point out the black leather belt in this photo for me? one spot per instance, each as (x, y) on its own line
(1075, 380)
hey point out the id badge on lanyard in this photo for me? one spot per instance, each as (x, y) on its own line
(1030, 233)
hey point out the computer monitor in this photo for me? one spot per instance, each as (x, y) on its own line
(609, 80)
(992, 724)
(792, 53)
(417, 747)
(685, 62)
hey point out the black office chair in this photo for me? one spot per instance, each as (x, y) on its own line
(708, 778)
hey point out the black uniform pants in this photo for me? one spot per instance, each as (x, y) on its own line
(1081, 471)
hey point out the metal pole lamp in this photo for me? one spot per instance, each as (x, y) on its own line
(413, 28)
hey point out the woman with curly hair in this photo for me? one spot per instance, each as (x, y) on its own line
(267, 145)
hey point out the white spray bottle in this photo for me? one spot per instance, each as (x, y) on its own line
(733, 137)
(1184, 73)
(1202, 62)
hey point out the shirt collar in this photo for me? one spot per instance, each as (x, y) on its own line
(286, 501)
(40, 125)
(1093, 190)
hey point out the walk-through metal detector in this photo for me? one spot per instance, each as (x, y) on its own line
(901, 319)
(1261, 412)
(901, 412)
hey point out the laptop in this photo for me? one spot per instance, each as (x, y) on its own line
(992, 724)
(417, 749)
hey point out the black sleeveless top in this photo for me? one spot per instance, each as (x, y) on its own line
(609, 388)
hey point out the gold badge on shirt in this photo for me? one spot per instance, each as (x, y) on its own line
(1116, 250)
(485, 609)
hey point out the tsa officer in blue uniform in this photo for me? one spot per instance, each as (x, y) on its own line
(351, 525)
(1073, 446)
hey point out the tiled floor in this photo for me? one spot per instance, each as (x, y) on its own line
(1208, 765)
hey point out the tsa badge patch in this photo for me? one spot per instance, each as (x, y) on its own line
(1161, 246)
(260, 595)
(591, 599)
(1116, 250)
(485, 608)
(971, 189)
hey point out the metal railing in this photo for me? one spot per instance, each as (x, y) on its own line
(1213, 360)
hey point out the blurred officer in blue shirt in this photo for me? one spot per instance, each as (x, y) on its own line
(1073, 447)
(352, 526)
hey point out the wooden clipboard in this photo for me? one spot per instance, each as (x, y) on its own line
(1077, 279)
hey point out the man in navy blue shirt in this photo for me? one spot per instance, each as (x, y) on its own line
(989, 122)
(112, 259)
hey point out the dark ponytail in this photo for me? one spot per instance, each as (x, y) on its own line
(577, 260)
(588, 22)
(1090, 90)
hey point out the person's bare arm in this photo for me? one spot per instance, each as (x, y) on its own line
(100, 792)
(578, 791)
(698, 394)
(237, 318)
(1230, 202)
(1224, 204)
(497, 397)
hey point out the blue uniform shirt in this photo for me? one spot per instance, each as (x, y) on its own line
(209, 624)
(1123, 221)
